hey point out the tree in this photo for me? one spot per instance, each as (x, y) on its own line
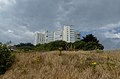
(25, 46)
(6, 58)
(79, 45)
(54, 45)
(70, 46)
(91, 43)
(39, 47)
(90, 38)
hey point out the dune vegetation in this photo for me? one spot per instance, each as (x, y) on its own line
(68, 65)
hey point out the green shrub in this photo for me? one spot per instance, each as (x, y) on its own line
(6, 59)
(24, 47)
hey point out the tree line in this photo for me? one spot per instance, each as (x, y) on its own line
(88, 42)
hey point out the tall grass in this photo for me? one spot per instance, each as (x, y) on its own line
(68, 65)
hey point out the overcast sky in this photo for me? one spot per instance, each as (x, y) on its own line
(19, 19)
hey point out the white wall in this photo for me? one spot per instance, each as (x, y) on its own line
(69, 34)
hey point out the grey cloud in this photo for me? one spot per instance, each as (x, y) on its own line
(97, 13)
(24, 17)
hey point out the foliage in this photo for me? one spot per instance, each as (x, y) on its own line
(89, 42)
(39, 47)
(79, 45)
(92, 46)
(55, 45)
(90, 38)
(6, 58)
(70, 46)
(25, 46)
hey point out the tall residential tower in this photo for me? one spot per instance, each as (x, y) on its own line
(69, 33)
(39, 38)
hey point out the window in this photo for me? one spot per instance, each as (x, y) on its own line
(67, 38)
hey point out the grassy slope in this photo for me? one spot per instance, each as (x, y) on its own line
(71, 65)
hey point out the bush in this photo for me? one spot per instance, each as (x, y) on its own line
(6, 59)
(79, 45)
(25, 46)
(91, 46)
(54, 45)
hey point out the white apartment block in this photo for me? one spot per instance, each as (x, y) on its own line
(69, 33)
(50, 36)
(58, 35)
(77, 36)
(39, 38)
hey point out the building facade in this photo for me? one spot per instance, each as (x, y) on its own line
(58, 35)
(69, 33)
(50, 37)
(77, 36)
(39, 38)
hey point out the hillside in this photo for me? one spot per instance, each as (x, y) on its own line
(70, 65)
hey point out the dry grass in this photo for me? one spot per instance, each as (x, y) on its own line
(70, 65)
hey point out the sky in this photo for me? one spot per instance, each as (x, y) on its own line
(20, 19)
